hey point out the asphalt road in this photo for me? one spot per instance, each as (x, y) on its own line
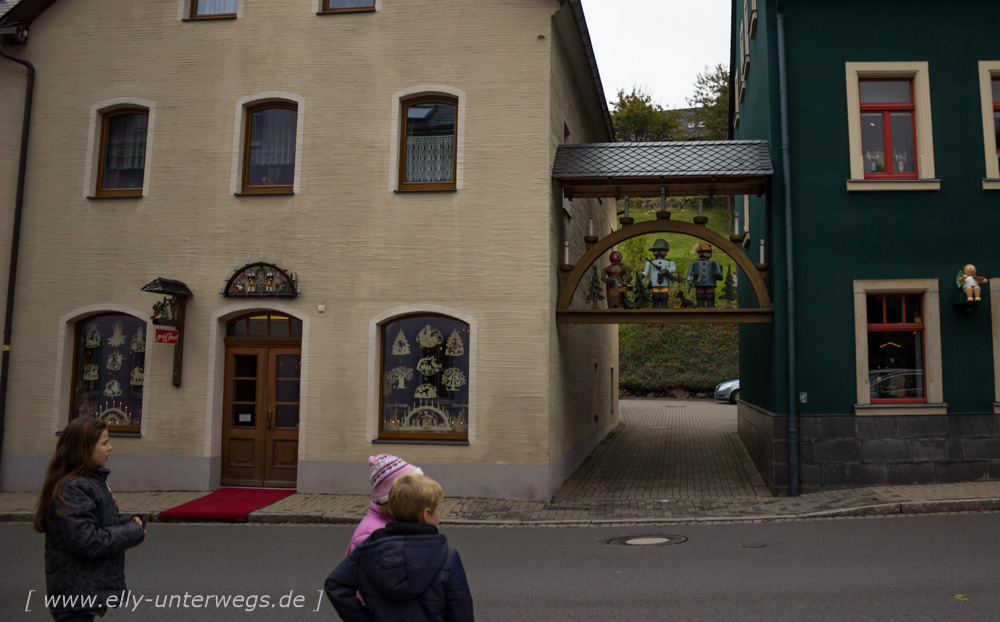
(908, 568)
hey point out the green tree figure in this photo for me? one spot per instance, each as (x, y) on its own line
(594, 291)
(640, 295)
(729, 289)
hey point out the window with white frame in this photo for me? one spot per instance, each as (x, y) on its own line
(989, 87)
(897, 333)
(889, 126)
(121, 164)
(269, 142)
(201, 9)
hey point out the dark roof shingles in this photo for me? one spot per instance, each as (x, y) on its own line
(664, 159)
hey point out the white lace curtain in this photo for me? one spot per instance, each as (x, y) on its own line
(430, 158)
(215, 7)
(272, 137)
(125, 148)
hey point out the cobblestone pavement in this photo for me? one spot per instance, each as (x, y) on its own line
(672, 461)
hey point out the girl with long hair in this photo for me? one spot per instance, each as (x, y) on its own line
(85, 537)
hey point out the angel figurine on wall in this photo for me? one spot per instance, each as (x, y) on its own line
(968, 281)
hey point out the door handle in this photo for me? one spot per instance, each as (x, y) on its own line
(268, 419)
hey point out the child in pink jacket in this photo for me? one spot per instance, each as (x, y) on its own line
(384, 469)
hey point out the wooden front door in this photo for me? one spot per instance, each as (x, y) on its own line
(260, 438)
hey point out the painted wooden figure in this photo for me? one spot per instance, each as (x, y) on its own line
(703, 274)
(969, 282)
(616, 277)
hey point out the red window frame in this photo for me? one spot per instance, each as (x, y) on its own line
(916, 327)
(886, 109)
(996, 108)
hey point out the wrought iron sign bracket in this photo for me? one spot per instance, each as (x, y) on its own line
(170, 312)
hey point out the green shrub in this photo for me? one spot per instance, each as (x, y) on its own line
(696, 357)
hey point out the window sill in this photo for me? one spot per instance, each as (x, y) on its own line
(900, 409)
(854, 185)
(996, 407)
(991, 184)
(416, 441)
(264, 194)
(209, 18)
(364, 9)
(412, 190)
(115, 196)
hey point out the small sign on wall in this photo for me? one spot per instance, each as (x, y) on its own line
(166, 335)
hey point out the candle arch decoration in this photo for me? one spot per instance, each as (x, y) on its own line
(262, 280)
(755, 273)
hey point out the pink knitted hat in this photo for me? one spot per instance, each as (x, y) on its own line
(385, 468)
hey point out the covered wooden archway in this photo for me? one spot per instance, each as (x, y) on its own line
(636, 170)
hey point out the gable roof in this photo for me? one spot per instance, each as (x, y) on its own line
(683, 167)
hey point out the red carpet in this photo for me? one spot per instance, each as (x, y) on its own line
(229, 503)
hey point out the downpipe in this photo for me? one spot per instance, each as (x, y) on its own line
(793, 415)
(15, 240)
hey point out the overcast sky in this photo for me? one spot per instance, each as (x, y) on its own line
(661, 45)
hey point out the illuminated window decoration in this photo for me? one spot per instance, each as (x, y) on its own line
(107, 379)
(428, 366)
(454, 345)
(438, 406)
(398, 377)
(400, 346)
(261, 280)
(138, 343)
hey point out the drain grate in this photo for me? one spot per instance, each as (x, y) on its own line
(648, 540)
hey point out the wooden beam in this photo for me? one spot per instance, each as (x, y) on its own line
(665, 316)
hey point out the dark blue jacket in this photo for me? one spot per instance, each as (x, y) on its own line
(405, 572)
(85, 543)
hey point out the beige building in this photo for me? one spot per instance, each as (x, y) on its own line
(358, 196)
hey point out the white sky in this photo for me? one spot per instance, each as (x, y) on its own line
(660, 45)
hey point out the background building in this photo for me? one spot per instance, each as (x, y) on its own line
(882, 120)
(358, 197)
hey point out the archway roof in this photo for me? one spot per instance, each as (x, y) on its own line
(682, 168)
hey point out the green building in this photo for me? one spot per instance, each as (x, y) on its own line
(883, 121)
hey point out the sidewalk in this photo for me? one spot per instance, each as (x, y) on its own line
(673, 461)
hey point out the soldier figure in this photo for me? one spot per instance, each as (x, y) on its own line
(703, 274)
(660, 272)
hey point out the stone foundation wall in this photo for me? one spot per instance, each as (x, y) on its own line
(849, 451)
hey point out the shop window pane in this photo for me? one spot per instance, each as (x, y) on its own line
(244, 415)
(893, 309)
(286, 416)
(896, 365)
(884, 91)
(873, 142)
(914, 309)
(425, 376)
(876, 315)
(245, 366)
(108, 374)
(903, 160)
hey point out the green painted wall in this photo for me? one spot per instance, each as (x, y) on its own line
(839, 236)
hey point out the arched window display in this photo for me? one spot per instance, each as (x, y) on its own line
(108, 374)
(425, 378)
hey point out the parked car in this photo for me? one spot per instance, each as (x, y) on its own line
(728, 390)
(897, 383)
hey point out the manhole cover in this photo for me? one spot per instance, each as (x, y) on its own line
(649, 540)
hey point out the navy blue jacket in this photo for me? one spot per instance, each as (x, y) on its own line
(405, 572)
(85, 543)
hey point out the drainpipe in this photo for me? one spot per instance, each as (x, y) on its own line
(793, 416)
(15, 236)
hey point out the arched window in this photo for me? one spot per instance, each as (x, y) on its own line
(425, 378)
(269, 148)
(108, 374)
(428, 143)
(122, 156)
(264, 326)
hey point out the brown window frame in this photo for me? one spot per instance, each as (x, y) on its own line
(417, 186)
(326, 8)
(279, 188)
(193, 14)
(99, 189)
